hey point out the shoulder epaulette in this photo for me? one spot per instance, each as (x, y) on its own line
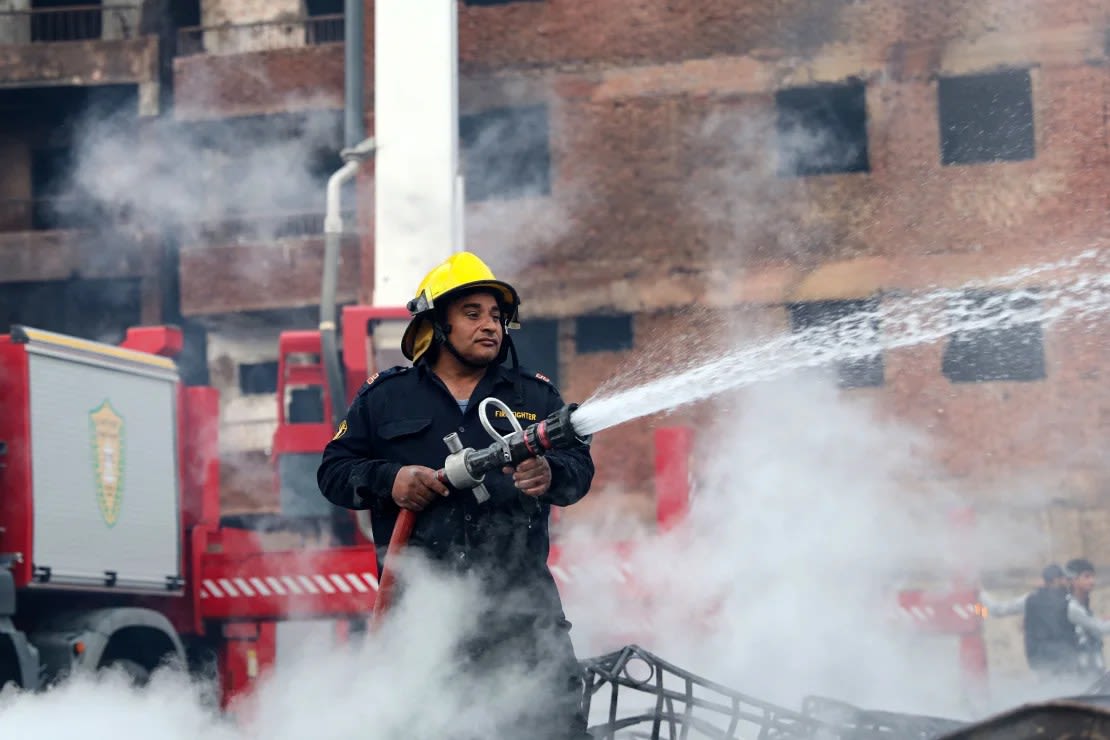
(533, 375)
(377, 378)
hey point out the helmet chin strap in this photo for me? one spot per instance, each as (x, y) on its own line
(441, 333)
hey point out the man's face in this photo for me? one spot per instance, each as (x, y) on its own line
(1085, 582)
(476, 330)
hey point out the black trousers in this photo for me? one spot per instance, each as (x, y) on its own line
(540, 649)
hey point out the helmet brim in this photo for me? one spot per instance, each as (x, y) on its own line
(506, 294)
(417, 338)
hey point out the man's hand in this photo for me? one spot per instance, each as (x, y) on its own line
(532, 477)
(415, 486)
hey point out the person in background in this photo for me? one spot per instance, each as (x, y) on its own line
(1051, 648)
(1053, 576)
(1088, 628)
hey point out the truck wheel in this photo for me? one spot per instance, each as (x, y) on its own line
(137, 675)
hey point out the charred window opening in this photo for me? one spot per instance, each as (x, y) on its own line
(603, 334)
(506, 153)
(822, 130)
(986, 118)
(258, 377)
(323, 161)
(325, 21)
(47, 129)
(101, 310)
(192, 363)
(185, 13)
(323, 7)
(50, 172)
(1009, 351)
(537, 346)
(306, 145)
(849, 322)
(66, 20)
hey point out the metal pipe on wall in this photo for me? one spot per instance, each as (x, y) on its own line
(356, 148)
(329, 346)
(354, 65)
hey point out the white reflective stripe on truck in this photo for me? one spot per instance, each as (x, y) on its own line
(315, 583)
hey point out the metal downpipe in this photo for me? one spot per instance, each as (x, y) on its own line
(329, 348)
(354, 63)
(356, 148)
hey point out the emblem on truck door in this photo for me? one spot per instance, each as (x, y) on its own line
(106, 432)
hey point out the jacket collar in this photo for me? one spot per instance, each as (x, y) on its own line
(500, 373)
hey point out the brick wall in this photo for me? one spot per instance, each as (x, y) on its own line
(579, 32)
(262, 276)
(258, 83)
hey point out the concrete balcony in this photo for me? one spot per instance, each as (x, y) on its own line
(259, 68)
(80, 45)
(262, 262)
(43, 240)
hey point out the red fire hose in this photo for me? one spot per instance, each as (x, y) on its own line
(402, 530)
(397, 542)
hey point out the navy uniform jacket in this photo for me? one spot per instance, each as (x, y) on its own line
(400, 418)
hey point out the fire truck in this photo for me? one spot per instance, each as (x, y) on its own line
(110, 528)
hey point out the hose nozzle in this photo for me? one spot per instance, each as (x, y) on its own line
(556, 432)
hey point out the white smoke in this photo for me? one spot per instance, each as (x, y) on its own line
(191, 178)
(405, 680)
(782, 581)
(812, 510)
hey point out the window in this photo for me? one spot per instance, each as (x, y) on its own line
(305, 405)
(986, 118)
(50, 172)
(833, 324)
(258, 377)
(64, 23)
(1009, 352)
(185, 13)
(537, 346)
(99, 309)
(822, 130)
(323, 7)
(603, 334)
(325, 21)
(192, 362)
(506, 153)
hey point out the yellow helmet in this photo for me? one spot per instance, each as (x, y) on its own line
(461, 272)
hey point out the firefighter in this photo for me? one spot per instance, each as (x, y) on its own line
(386, 451)
(1088, 628)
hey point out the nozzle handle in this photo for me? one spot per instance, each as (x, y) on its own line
(455, 446)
